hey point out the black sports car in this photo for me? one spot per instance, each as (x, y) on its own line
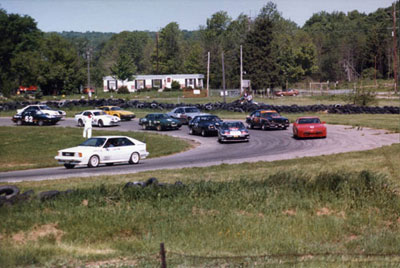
(233, 131)
(267, 119)
(204, 125)
(35, 117)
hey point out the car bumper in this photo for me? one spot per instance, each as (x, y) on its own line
(278, 125)
(235, 138)
(127, 116)
(69, 160)
(144, 155)
(312, 134)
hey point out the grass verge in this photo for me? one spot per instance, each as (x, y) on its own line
(27, 147)
(300, 211)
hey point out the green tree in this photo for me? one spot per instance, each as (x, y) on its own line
(61, 70)
(124, 68)
(212, 36)
(19, 37)
(259, 54)
(170, 48)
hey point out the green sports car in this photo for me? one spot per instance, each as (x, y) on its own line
(159, 121)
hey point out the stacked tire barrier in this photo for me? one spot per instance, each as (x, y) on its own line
(10, 195)
(235, 106)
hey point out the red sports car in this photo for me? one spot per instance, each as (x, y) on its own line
(309, 127)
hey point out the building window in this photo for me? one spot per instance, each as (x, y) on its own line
(156, 83)
(140, 84)
(190, 83)
(112, 84)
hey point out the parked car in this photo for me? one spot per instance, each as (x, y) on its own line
(103, 150)
(43, 108)
(233, 131)
(117, 111)
(289, 92)
(309, 127)
(185, 114)
(99, 117)
(267, 119)
(204, 125)
(35, 117)
(159, 121)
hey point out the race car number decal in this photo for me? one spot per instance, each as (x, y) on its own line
(28, 119)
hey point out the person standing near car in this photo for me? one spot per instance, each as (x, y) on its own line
(87, 131)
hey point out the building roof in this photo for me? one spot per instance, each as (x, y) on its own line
(160, 76)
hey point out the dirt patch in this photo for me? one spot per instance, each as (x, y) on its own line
(85, 203)
(38, 232)
(289, 212)
(328, 212)
(248, 214)
(112, 263)
(200, 211)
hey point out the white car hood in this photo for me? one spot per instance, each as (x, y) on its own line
(81, 149)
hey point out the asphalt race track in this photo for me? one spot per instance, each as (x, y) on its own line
(263, 146)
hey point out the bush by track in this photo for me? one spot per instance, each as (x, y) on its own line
(235, 106)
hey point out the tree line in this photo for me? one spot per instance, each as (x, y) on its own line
(276, 52)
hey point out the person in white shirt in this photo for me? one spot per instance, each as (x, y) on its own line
(87, 131)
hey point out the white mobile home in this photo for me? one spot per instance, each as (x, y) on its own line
(160, 81)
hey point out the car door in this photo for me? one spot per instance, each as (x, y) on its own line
(111, 150)
(150, 120)
(127, 147)
(256, 118)
(195, 125)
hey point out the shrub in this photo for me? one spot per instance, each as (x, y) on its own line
(123, 90)
(175, 85)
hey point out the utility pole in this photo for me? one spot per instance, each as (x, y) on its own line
(394, 34)
(223, 77)
(157, 51)
(208, 74)
(241, 70)
(88, 54)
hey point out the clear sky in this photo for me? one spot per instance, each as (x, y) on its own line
(152, 15)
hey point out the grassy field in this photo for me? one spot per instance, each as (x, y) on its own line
(27, 147)
(335, 210)
(329, 210)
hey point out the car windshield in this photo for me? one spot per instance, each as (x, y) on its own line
(161, 116)
(99, 113)
(115, 109)
(192, 110)
(233, 125)
(210, 118)
(309, 121)
(269, 114)
(93, 142)
(44, 107)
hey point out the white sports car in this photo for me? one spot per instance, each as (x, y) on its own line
(103, 150)
(99, 117)
(43, 108)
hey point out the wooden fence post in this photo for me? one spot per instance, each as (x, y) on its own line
(162, 255)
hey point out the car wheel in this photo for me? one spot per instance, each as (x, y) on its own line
(101, 124)
(19, 122)
(134, 159)
(203, 133)
(191, 131)
(144, 127)
(94, 161)
(264, 127)
(250, 126)
(80, 123)
(69, 166)
(40, 123)
(159, 128)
